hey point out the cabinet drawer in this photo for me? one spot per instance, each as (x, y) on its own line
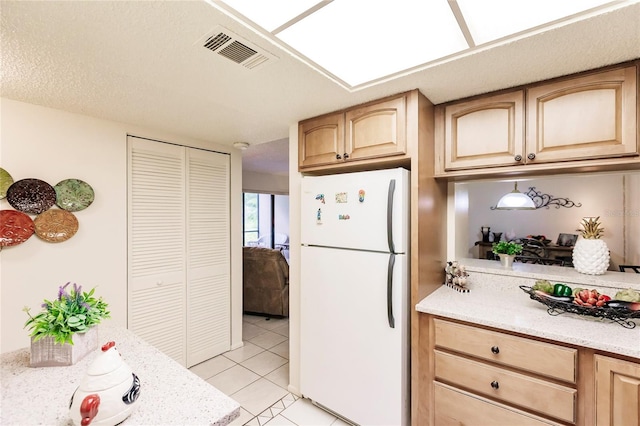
(530, 355)
(454, 407)
(528, 392)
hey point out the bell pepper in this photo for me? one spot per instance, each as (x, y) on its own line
(560, 289)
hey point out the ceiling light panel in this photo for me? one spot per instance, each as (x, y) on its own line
(490, 20)
(362, 40)
(272, 13)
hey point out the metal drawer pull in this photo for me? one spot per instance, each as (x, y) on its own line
(518, 157)
(531, 156)
(495, 349)
(338, 157)
(495, 385)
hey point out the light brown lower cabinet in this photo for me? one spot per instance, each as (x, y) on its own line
(457, 407)
(476, 375)
(617, 392)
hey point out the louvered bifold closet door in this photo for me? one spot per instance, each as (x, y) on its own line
(208, 257)
(157, 287)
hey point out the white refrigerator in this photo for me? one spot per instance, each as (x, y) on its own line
(354, 311)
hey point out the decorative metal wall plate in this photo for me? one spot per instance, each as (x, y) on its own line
(73, 195)
(15, 228)
(56, 225)
(31, 196)
(5, 182)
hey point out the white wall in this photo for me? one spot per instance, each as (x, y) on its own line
(599, 195)
(53, 145)
(265, 183)
(295, 179)
(631, 215)
(281, 213)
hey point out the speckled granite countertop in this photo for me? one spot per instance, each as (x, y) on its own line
(495, 300)
(170, 394)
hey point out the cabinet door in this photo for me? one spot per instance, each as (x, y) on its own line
(583, 118)
(208, 259)
(321, 141)
(617, 392)
(157, 245)
(484, 132)
(179, 276)
(377, 130)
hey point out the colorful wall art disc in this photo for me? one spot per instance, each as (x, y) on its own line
(73, 195)
(56, 225)
(5, 182)
(15, 228)
(31, 196)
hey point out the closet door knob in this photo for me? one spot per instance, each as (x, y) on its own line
(495, 385)
(495, 349)
(531, 156)
(518, 157)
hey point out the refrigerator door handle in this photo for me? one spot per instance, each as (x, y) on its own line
(392, 261)
(392, 188)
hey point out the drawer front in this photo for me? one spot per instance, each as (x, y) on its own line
(530, 355)
(454, 407)
(525, 391)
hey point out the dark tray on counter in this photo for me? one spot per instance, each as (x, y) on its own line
(622, 316)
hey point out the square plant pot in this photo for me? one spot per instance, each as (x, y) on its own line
(46, 353)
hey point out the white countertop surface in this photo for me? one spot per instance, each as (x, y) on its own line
(169, 393)
(495, 300)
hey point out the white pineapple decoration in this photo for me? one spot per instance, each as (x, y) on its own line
(591, 254)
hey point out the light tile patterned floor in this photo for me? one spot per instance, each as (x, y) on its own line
(257, 375)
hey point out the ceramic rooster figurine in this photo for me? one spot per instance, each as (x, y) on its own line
(108, 392)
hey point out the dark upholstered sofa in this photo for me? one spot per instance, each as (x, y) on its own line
(265, 282)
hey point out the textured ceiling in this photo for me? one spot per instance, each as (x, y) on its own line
(142, 62)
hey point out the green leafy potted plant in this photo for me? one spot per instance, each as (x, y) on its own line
(507, 251)
(64, 323)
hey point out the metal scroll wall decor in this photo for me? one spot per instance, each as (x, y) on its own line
(37, 197)
(545, 200)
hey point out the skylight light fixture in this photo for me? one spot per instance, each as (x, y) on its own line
(361, 41)
(273, 13)
(489, 20)
(515, 200)
(357, 42)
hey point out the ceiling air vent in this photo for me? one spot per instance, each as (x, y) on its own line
(229, 45)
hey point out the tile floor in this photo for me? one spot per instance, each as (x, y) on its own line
(257, 375)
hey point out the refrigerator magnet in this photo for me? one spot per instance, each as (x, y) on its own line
(341, 197)
(361, 195)
(320, 197)
(319, 217)
(344, 217)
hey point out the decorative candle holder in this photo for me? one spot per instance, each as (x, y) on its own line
(485, 233)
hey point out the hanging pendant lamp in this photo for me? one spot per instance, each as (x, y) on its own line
(516, 200)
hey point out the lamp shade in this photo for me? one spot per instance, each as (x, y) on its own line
(516, 200)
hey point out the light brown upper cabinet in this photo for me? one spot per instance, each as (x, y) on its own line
(363, 133)
(550, 125)
(582, 118)
(321, 140)
(483, 132)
